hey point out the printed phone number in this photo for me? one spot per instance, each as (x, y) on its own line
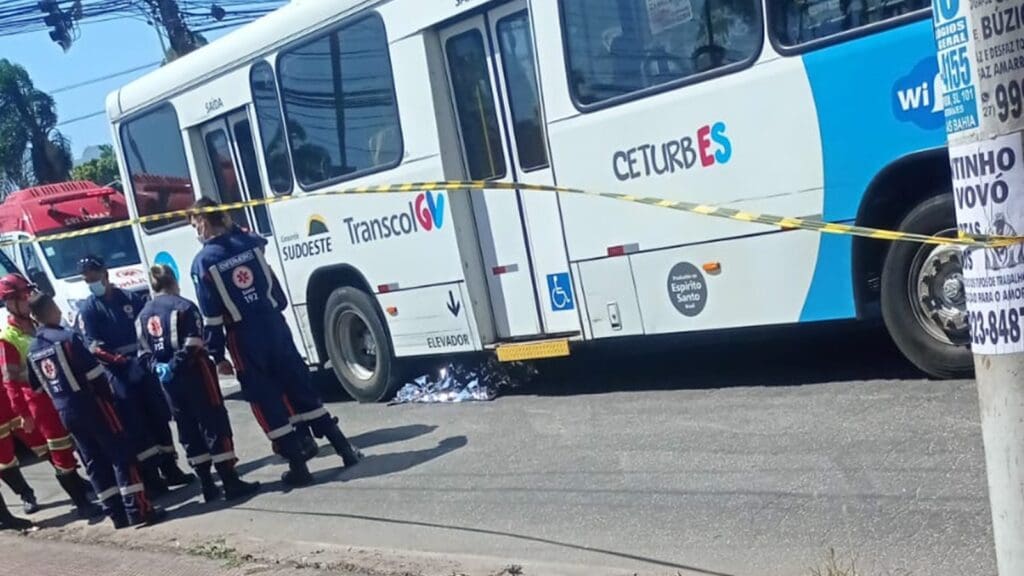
(995, 328)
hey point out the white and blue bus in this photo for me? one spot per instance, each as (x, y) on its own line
(827, 109)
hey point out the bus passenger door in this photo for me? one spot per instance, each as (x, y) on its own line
(231, 153)
(495, 91)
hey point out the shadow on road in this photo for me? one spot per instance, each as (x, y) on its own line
(391, 435)
(386, 464)
(470, 529)
(787, 356)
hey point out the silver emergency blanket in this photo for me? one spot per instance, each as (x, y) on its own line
(473, 382)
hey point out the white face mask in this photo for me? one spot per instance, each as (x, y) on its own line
(97, 288)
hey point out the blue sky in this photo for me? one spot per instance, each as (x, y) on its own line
(102, 48)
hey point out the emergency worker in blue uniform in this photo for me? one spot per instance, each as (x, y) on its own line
(61, 364)
(107, 320)
(239, 294)
(171, 345)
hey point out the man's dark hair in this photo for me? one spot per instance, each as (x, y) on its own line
(39, 303)
(91, 263)
(216, 218)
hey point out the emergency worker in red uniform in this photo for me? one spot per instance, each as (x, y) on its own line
(107, 320)
(60, 364)
(239, 294)
(171, 346)
(33, 407)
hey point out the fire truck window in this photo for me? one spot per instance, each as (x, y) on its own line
(157, 167)
(28, 255)
(116, 246)
(271, 125)
(223, 165)
(6, 266)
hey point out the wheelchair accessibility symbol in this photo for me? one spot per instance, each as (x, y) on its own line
(560, 291)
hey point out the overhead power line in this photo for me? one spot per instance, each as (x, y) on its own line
(105, 77)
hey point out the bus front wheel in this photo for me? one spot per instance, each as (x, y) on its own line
(358, 345)
(923, 301)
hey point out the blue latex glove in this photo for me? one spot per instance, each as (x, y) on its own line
(164, 373)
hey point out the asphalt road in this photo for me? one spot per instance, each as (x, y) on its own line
(748, 456)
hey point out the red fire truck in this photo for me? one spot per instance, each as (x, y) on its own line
(53, 264)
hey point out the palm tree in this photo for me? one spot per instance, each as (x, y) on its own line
(32, 150)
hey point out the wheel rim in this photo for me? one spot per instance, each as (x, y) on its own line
(936, 290)
(358, 347)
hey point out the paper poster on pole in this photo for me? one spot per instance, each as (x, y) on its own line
(988, 189)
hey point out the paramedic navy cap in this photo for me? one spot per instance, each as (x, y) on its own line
(91, 263)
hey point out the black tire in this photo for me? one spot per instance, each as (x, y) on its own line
(352, 316)
(905, 320)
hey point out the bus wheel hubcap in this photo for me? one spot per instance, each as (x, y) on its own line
(937, 294)
(358, 346)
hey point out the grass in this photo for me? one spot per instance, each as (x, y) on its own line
(218, 550)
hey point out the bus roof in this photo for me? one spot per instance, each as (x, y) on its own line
(58, 207)
(288, 23)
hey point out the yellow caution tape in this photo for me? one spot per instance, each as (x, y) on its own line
(782, 222)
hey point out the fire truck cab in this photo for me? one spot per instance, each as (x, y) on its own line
(46, 211)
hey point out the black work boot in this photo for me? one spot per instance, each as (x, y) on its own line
(9, 521)
(87, 486)
(173, 475)
(155, 485)
(154, 515)
(14, 478)
(84, 508)
(234, 487)
(309, 447)
(297, 474)
(211, 492)
(350, 455)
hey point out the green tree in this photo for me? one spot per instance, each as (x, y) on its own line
(32, 150)
(102, 170)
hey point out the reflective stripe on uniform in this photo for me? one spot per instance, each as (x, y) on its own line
(41, 450)
(268, 275)
(280, 432)
(194, 342)
(213, 320)
(147, 453)
(94, 373)
(66, 367)
(311, 415)
(61, 471)
(132, 489)
(14, 372)
(12, 464)
(224, 457)
(141, 334)
(108, 494)
(225, 297)
(174, 330)
(64, 443)
(201, 459)
(166, 449)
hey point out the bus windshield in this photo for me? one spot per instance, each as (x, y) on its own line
(116, 247)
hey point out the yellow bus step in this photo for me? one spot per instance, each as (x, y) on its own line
(533, 350)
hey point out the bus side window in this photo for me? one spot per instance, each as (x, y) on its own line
(157, 166)
(251, 171)
(271, 127)
(619, 47)
(795, 22)
(7, 265)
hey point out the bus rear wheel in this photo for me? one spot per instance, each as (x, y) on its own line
(923, 301)
(358, 345)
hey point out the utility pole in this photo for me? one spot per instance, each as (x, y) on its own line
(979, 55)
(181, 38)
